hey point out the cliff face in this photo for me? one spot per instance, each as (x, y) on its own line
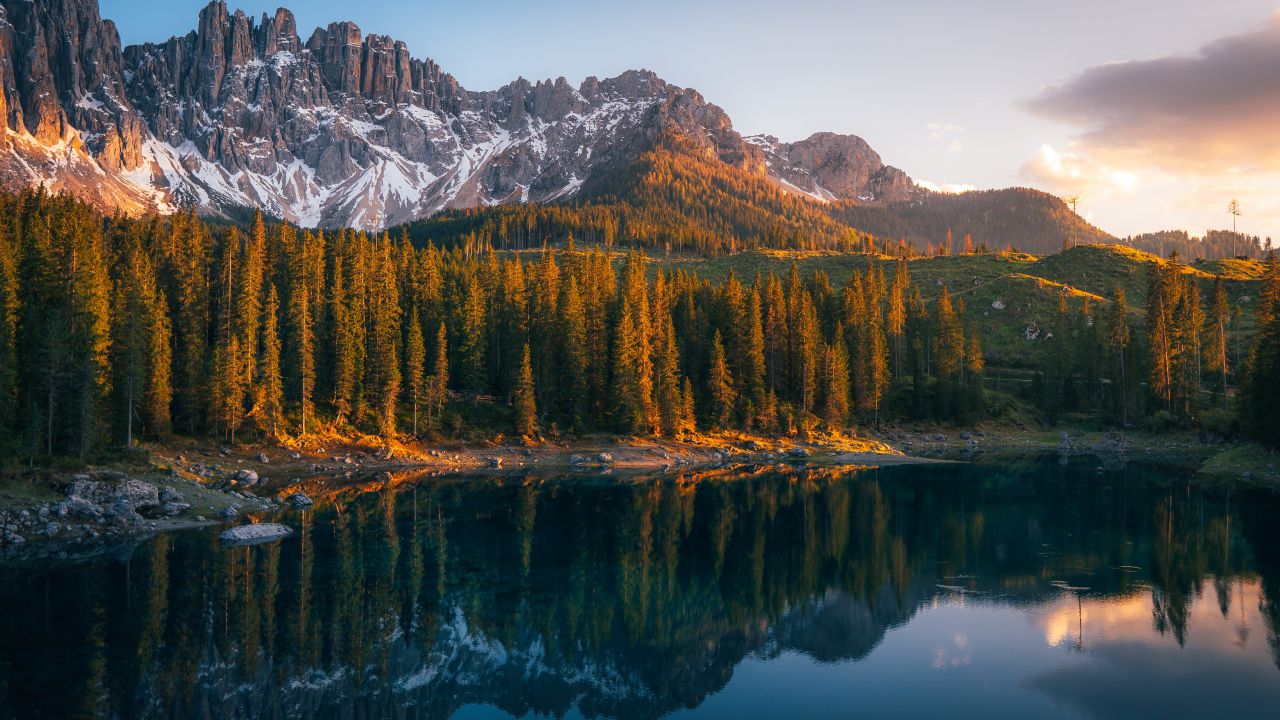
(342, 128)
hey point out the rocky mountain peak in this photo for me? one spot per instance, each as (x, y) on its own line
(829, 166)
(344, 128)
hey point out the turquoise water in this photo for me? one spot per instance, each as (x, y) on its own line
(1015, 590)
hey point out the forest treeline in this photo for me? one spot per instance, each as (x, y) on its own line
(115, 329)
(1214, 245)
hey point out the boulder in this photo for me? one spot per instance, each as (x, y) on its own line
(798, 453)
(141, 495)
(300, 501)
(604, 458)
(255, 534)
(169, 495)
(246, 477)
(82, 509)
(171, 509)
(578, 460)
(229, 512)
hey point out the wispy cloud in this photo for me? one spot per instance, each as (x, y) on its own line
(949, 133)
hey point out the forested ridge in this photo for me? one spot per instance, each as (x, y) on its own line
(115, 329)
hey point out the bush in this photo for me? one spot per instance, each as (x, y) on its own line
(1220, 423)
(1160, 421)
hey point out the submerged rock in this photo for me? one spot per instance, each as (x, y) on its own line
(254, 534)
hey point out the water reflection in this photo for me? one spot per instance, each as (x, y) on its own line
(1059, 590)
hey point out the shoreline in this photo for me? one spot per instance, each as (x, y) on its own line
(220, 486)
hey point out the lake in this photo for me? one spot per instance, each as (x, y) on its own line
(1032, 589)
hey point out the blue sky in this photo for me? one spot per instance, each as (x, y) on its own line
(940, 88)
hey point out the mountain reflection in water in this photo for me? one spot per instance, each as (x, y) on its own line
(976, 590)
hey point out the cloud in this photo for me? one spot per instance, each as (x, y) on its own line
(1071, 173)
(1215, 111)
(949, 188)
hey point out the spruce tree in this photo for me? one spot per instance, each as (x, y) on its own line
(1216, 352)
(269, 386)
(720, 392)
(1118, 342)
(438, 383)
(302, 338)
(415, 354)
(523, 397)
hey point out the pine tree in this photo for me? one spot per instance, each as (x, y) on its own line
(302, 338)
(343, 336)
(1219, 320)
(896, 315)
(415, 353)
(9, 310)
(382, 367)
(471, 344)
(573, 376)
(835, 383)
(140, 346)
(438, 383)
(1118, 342)
(721, 395)
(523, 398)
(269, 404)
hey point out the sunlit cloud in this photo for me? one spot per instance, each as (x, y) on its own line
(1072, 173)
(1214, 111)
(949, 188)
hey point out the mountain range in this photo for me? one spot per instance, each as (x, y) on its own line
(340, 128)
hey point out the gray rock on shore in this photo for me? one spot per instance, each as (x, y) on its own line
(255, 534)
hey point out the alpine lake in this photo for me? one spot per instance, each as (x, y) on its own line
(1037, 588)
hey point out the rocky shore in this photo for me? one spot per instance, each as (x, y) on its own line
(94, 509)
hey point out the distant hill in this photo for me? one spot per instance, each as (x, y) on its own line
(1028, 220)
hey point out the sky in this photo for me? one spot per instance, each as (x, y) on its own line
(1155, 113)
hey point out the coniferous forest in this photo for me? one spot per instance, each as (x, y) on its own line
(118, 330)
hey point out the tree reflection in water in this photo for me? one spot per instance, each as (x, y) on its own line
(415, 596)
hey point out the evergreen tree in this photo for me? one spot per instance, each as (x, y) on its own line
(523, 399)
(1262, 380)
(1219, 320)
(835, 381)
(1118, 341)
(415, 353)
(438, 383)
(269, 403)
(573, 376)
(302, 338)
(720, 390)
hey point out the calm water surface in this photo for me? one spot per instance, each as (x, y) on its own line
(1029, 590)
